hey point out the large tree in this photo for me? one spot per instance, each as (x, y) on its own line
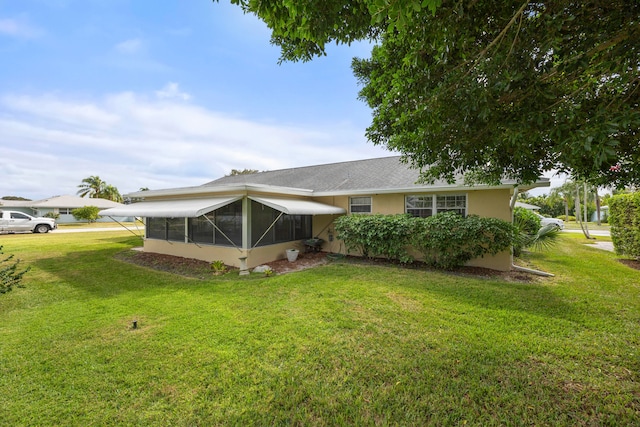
(491, 89)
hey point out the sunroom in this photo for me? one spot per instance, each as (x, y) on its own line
(241, 230)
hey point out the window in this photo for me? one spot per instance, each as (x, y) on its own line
(17, 215)
(65, 211)
(201, 229)
(287, 228)
(175, 229)
(228, 219)
(454, 203)
(156, 228)
(360, 204)
(420, 206)
(425, 205)
(165, 229)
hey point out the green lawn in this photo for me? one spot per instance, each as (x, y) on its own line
(340, 344)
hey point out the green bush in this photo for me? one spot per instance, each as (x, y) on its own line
(51, 215)
(377, 235)
(624, 217)
(448, 240)
(9, 274)
(526, 220)
(88, 213)
(566, 218)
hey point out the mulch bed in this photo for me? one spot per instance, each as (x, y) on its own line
(202, 269)
(633, 263)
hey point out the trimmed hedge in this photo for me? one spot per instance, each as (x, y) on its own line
(624, 218)
(377, 235)
(446, 240)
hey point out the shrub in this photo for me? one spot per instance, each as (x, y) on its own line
(624, 217)
(377, 235)
(566, 218)
(88, 213)
(51, 215)
(448, 240)
(526, 220)
(9, 274)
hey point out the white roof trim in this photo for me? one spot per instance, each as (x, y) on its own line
(299, 207)
(212, 189)
(189, 208)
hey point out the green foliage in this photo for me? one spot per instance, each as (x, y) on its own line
(87, 213)
(624, 217)
(52, 215)
(526, 220)
(96, 188)
(10, 276)
(218, 267)
(377, 235)
(511, 89)
(499, 89)
(448, 240)
(567, 218)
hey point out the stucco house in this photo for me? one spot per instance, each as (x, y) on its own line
(247, 220)
(60, 205)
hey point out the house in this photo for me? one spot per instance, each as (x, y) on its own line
(248, 220)
(60, 205)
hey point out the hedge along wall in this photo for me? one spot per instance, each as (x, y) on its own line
(624, 218)
(446, 240)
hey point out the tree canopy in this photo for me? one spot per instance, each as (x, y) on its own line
(96, 188)
(491, 89)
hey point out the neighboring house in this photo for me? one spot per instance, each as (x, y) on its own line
(604, 214)
(61, 205)
(253, 219)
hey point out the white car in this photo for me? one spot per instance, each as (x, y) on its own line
(16, 222)
(544, 221)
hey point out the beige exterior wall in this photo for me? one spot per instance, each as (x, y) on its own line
(486, 203)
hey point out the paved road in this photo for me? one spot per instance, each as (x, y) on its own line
(592, 232)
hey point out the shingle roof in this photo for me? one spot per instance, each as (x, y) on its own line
(376, 174)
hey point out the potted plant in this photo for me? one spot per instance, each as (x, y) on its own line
(292, 254)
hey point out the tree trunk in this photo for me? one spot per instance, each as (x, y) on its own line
(598, 206)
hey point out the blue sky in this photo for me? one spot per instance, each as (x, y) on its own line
(162, 94)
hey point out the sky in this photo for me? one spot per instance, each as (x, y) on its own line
(163, 94)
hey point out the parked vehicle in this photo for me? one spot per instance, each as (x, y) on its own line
(544, 221)
(16, 222)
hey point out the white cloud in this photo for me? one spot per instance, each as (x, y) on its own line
(133, 140)
(172, 91)
(130, 47)
(20, 28)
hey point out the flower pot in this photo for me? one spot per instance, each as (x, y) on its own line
(292, 254)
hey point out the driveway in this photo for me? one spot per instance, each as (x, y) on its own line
(88, 230)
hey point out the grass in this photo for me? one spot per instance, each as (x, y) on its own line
(340, 344)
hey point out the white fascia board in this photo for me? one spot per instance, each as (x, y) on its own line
(429, 189)
(203, 189)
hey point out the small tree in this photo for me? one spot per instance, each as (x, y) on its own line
(9, 274)
(88, 213)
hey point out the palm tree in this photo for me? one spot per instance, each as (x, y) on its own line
(110, 192)
(92, 187)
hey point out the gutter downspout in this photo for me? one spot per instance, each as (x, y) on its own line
(512, 205)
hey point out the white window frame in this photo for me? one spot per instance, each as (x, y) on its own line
(352, 204)
(451, 202)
